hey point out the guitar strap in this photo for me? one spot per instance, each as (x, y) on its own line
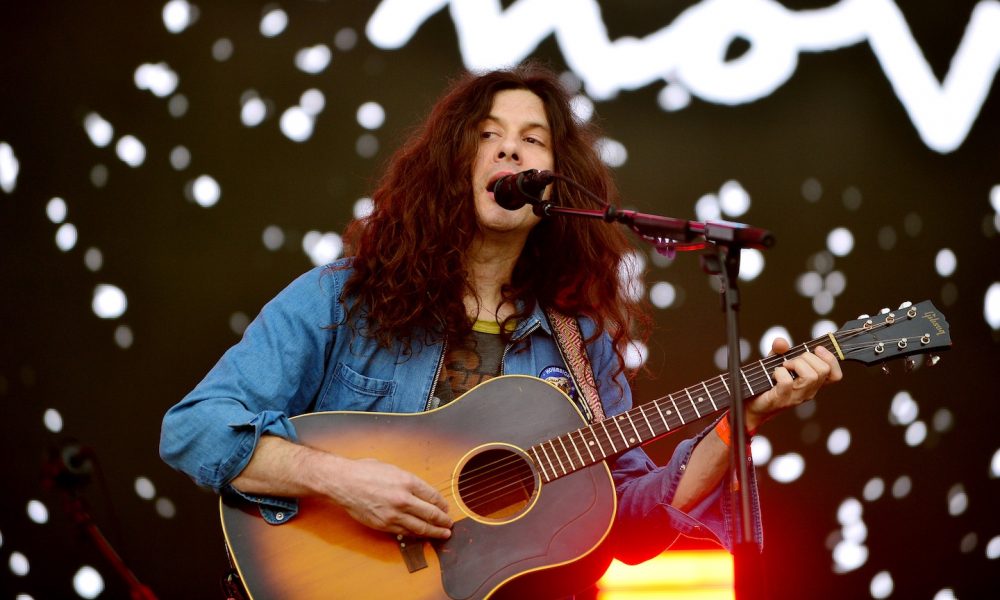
(569, 340)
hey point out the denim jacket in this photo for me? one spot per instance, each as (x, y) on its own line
(293, 359)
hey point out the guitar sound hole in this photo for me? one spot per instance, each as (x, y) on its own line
(496, 484)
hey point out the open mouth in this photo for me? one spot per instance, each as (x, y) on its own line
(495, 178)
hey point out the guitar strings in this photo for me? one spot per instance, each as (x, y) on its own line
(490, 470)
(494, 477)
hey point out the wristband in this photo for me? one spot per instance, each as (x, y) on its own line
(725, 433)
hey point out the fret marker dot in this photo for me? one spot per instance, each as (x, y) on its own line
(669, 412)
(701, 398)
(590, 443)
(631, 440)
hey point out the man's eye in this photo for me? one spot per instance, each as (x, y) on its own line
(487, 134)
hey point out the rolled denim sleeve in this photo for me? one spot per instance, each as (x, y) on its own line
(646, 523)
(274, 372)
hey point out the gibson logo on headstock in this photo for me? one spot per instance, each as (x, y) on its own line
(935, 321)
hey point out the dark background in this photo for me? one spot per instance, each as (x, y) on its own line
(187, 270)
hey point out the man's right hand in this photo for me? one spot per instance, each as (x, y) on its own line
(387, 498)
(374, 493)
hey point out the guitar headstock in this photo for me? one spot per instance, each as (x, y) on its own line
(911, 329)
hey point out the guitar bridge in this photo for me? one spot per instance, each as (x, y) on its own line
(412, 550)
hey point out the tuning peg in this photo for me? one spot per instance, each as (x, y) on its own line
(933, 360)
(864, 316)
(883, 311)
(885, 369)
(906, 304)
(909, 364)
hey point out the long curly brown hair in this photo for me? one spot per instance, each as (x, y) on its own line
(409, 275)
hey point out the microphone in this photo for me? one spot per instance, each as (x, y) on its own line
(517, 189)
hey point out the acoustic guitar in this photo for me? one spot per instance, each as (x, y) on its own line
(525, 476)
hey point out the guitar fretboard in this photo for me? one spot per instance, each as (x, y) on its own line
(562, 455)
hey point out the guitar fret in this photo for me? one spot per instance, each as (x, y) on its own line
(620, 432)
(710, 398)
(556, 454)
(749, 387)
(656, 403)
(541, 466)
(768, 375)
(679, 415)
(642, 412)
(693, 405)
(580, 456)
(724, 384)
(551, 466)
(632, 423)
(569, 457)
(587, 445)
(610, 441)
(598, 440)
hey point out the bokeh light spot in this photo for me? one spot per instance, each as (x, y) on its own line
(98, 130)
(371, 115)
(38, 512)
(124, 337)
(296, 124)
(760, 450)
(131, 151)
(786, 468)
(144, 488)
(612, 152)
(9, 168)
(958, 500)
(707, 208)
(840, 241)
(991, 306)
(109, 301)
(176, 15)
(206, 191)
(902, 487)
(19, 564)
(733, 198)
(158, 78)
(66, 237)
(583, 108)
(874, 489)
(881, 585)
(273, 22)
(322, 248)
(662, 294)
(636, 354)
(945, 262)
(903, 410)
(88, 583)
(273, 237)
(313, 59)
(165, 508)
(751, 264)
(52, 420)
(838, 441)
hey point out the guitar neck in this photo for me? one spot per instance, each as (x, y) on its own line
(562, 455)
(914, 329)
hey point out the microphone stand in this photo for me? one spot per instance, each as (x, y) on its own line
(69, 471)
(747, 564)
(728, 240)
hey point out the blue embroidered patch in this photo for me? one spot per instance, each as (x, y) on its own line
(560, 378)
